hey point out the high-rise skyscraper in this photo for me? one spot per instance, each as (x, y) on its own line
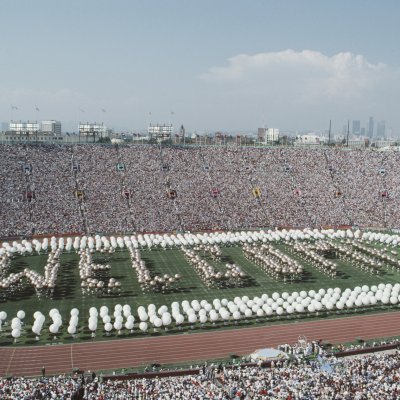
(371, 127)
(381, 129)
(356, 127)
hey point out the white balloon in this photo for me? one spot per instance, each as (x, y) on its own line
(16, 333)
(129, 324)
(117, 325)
(299, 308)
(74, 311)
(203, 318)
(192, 318)
(157, 322)
(21, 314)
(143, 326)
(52, 312)
(108, 326)
(71, 330)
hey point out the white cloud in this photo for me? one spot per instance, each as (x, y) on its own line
(306, 74)
(295, 89)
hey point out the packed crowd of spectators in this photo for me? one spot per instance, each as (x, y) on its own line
(367, 377)
(53, 189)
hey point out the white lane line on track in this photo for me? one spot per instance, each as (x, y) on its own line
(9, 362)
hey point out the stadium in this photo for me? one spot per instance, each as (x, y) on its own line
(162, 268)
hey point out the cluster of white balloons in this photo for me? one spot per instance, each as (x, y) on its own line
(358, 258)
(37, 326)
(234, 274)
(73, 322)
(213, 250)
(11, 283)
(102, 243)
(25, 247)
(120, 312)
(87, 273)
(157, 283)
(16, 325)
(384, 255)
(160, 317)
(5, 263)
(308, 252)
(93, 319)
(201, 312)
(55, 315)
(3, 317)
(42, 284)
(204, 269)
(384, 238)
(276, 305)
(273, 261)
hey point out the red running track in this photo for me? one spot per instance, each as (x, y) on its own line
(126, 353)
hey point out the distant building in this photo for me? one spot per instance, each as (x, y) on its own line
(268, 135)
(272, 135)
(357, 144)
(34, 132)
(182, 131)
(92, 130)
(310, 140)
(356, 128)
(381, 129)
(261, 134)
(160, 132)
(51, 126)
(371, 127)
(24, 128)
(383, 143)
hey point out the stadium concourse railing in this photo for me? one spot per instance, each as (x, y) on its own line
(267, 364)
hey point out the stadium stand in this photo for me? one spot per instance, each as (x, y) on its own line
(373, 376)
(49, 189)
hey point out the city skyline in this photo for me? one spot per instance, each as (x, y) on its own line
(210, 65)
(357, 128)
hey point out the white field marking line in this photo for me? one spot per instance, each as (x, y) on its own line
(9, 362)
(72, 359)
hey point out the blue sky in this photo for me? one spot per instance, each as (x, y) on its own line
(218, 65)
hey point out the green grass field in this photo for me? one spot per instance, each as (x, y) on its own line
(68, 290)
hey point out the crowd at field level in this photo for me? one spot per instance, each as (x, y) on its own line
(372, 376)
(51, 189)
